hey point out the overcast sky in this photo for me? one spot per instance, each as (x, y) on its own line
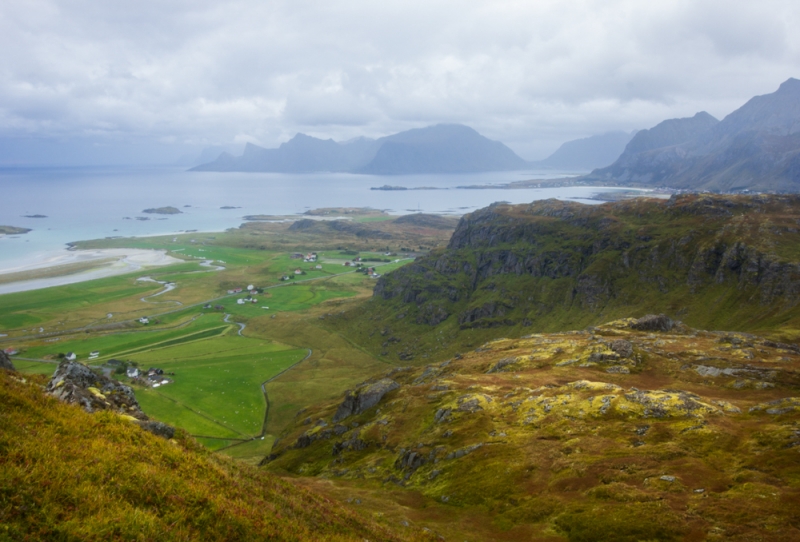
(165, 76)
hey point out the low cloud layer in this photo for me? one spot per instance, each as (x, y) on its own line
(168, 76)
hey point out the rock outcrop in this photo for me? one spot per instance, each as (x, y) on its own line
(76, 383)
(364, 397)
(5, 362)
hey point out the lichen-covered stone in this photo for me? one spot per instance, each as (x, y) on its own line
(364, 398)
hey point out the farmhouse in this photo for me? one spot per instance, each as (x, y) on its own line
(240, 301)
(318, 266)
(70, 356)
(298, 271)
(144, 320)
(285, 277)
(132, 372)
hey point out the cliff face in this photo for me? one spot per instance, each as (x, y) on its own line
(712, 261)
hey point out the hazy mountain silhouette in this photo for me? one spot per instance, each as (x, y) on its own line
(588, 153)
(757, 147)
(444, 148)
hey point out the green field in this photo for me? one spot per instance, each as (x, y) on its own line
(216, 393)
(217, 384)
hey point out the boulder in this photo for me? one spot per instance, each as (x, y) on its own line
(75, 383)
(159, 429)
(5, 362)
(364, 397)
(653, 322)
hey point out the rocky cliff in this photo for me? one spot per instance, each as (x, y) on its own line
(712, 261)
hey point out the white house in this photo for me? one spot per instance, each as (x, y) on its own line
(240, 301)
(70, 356)
(144, 320)
(250, 287)
(132, 372)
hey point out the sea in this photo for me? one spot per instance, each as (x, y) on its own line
(61, 205)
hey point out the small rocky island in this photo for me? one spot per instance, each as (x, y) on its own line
(35, 216)
(12, 230)
(163, 211)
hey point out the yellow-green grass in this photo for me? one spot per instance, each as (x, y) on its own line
(218, 381)
(22, 309)
(292, 297)
(34, 367)
(253, 450)
(122, 343)
(69, 475)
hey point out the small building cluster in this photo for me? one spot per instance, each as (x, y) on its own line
(369, 271)
(310, 257)
(153, 377)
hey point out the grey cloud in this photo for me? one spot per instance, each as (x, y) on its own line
(532, 74)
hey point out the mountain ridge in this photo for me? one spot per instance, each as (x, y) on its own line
(441, 148)
(755, 148)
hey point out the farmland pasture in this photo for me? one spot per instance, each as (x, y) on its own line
(219, 367)
(215, 380)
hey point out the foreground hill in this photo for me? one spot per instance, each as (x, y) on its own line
(634, 430)
(715, 262)
(443, 148)
(69, 475)
(757, 147)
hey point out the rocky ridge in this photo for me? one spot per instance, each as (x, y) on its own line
(561, 430)
(557, 265)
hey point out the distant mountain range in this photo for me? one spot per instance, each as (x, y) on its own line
(587, 153)
(757, 147)
(443, 148)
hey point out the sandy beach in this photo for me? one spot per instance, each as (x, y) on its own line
(71, 266)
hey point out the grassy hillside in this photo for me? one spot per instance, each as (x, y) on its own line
(605, 434)
(69, 475)
(714, 262)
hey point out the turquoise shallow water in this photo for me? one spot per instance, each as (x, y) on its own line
(91, 203)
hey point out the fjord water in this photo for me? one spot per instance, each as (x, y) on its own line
(91, 203)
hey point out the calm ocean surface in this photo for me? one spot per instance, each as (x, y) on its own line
(91, 203)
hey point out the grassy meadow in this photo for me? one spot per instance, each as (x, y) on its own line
(221, 355)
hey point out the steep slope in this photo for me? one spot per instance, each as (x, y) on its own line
(715, 262)
(588, 153)
(634, 430)
(444, 148)
(69, 475)
(757, 147)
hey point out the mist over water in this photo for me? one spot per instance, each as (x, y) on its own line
(91, 203)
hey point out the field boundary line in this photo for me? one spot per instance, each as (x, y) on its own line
(266, 398)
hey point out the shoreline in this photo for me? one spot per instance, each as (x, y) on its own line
(64, 266)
